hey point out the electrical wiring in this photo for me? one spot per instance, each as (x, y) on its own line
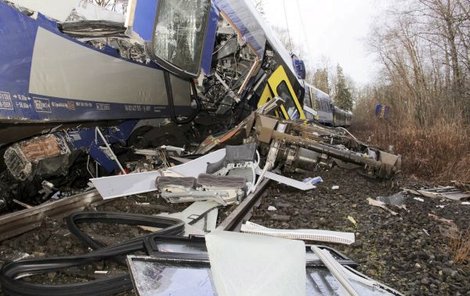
(12, 272)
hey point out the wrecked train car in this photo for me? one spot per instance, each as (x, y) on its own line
(78, 86)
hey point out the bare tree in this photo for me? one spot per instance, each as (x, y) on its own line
(424, 50)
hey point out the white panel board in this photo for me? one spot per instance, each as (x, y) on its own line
(124, 185)
(251, 265)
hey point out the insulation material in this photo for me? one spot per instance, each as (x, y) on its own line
(244, 264)
(56, 9)
(90, 11)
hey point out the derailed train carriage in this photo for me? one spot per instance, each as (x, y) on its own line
(318, 105)
(170, 72)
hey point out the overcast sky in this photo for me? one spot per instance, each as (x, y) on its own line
(333, 30)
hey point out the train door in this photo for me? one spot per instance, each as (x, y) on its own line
(309, 104)
(279, 86)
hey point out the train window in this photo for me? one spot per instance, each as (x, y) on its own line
(307, 99)
(179, 34)
(283, 91)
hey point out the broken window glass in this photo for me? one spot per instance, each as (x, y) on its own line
(179, 34)
(160, 277)
(283, 92)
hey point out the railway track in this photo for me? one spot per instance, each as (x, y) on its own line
(17, 223)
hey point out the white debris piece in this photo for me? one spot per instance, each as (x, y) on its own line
(253, 265)
(272, 209)
(327, 236)
(287, 181)
(419, 199)
(334, 187)
(124, 185)
(137, 183)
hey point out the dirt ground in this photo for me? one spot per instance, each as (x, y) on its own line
(407, 251)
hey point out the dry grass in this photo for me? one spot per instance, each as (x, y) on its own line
(438, 152)
(460, 246)
(458, 241)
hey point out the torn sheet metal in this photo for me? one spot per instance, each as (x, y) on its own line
(244, 264)
(253, 28)
(125, 185)
(326, 236)
(197, 166)
(449, 192)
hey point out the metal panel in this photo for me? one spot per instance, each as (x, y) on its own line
(124, 185)
(144, 18)
(62, 68)
(72, 81)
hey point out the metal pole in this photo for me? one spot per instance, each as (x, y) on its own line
(110, 150)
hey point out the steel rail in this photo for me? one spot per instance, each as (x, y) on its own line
(244, 210)
(19, 222)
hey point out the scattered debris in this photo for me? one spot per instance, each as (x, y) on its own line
(285, 180)
(303, 149)
(281, 218)
(443, 220)
(397, 200)
(352, 220)
(380, 204)
(418, 199)
(334, 187)
(272, 209)
(313, 181)
(448, 192)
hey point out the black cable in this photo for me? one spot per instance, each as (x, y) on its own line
(200, 217)
(11, 272)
